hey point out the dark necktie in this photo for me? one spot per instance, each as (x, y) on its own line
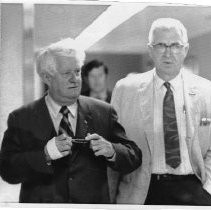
(65, 126)
(171, 137)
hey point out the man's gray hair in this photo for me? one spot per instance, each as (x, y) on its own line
(168, 23)
(46, 59)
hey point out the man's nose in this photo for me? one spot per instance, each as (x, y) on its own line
(167, 51)
(73, 78)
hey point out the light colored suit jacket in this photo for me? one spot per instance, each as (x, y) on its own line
(133, 100)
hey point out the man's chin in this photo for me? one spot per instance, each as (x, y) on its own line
(72, 98)
(73, 93)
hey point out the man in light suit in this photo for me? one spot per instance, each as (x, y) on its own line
(59, 147)
(167, 112)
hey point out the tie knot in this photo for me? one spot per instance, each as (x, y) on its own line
(167, 85)
(64, 110)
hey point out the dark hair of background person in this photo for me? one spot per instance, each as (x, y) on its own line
(86, 69)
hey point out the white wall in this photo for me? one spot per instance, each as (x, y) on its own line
(200, 47)
(11, 77)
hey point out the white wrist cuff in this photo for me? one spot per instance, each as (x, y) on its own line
(53, 150)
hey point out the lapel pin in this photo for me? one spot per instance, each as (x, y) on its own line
(192, 91)
(205, 121)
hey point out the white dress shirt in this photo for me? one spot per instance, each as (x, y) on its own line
(159, 165)
(56, 116)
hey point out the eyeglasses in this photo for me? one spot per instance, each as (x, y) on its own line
(174, 47)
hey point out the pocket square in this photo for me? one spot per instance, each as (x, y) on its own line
(205, 121)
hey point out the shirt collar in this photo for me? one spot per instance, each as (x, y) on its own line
(175, 83)
(158, 81)
(55, 107)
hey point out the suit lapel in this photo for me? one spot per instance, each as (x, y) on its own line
(43, 125)
(192, 106)
(191, 100)
(146, 103)
(84, 121)
(84, 124)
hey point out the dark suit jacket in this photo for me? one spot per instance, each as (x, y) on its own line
(77, 178)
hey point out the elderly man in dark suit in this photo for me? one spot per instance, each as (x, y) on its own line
(59, 147)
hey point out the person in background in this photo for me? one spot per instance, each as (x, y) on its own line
(167, 111)
(95, 74)
(59, 146)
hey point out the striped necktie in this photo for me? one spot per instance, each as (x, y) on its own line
(171, 137)
(65, 126)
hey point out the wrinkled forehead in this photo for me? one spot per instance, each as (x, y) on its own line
(64, 63)
(164, 34)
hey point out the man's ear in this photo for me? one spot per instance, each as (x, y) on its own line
(186, 49)
(46, 78)
(149, 50)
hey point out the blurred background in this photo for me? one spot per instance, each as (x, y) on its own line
(115, 33)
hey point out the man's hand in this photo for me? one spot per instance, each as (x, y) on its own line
(58, 147)
(100, 146)
(63, 144)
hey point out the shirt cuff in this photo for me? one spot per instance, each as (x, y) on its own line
(52, 150)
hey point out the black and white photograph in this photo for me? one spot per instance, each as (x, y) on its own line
(105, 104)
